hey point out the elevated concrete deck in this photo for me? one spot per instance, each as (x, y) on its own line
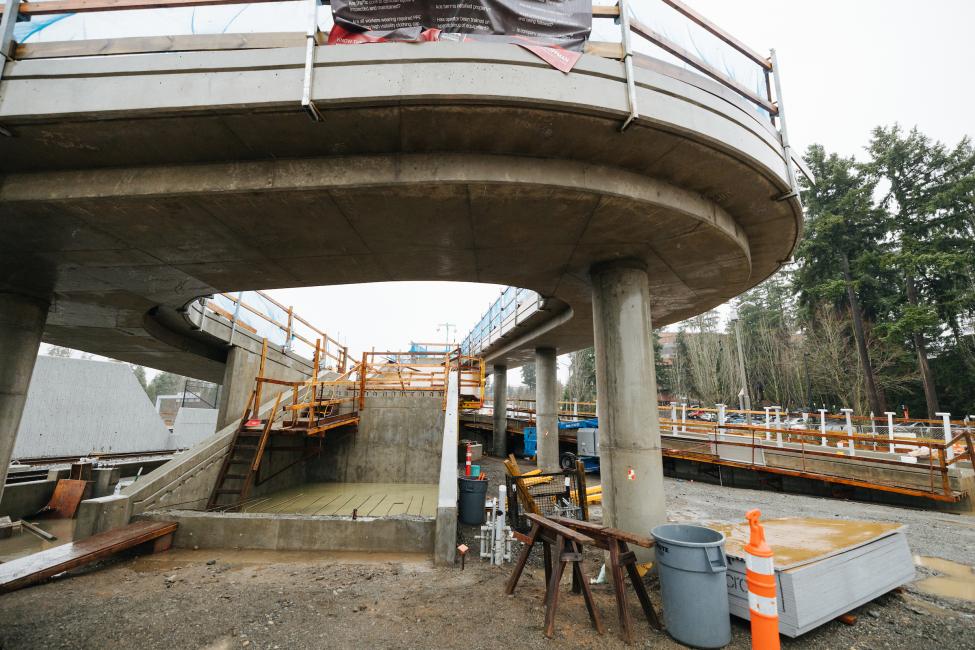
(134, 184)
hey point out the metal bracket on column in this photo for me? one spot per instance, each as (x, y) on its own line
(311, 40)
(627, 40)
(784, 134)
(11, 16)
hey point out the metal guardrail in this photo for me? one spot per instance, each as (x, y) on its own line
(928, 460)
(512, 308)
(623, 13)
(422, 371)
(292, 334)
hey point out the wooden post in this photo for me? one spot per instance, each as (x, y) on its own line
(291, 324)
(260, 377)
(317, 359)
(581, 490)
(362, 381)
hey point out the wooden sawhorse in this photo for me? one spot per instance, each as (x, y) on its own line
(615, 542)
(562, 546)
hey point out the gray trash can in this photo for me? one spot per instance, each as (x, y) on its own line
(473, 495)
(691, 564)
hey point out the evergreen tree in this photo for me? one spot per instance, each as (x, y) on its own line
(839, 257)
(929, 200)
(528, 375)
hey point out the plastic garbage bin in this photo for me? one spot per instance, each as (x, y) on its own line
(473, 495)
(692, 565)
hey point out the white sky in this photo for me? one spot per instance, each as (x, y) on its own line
(847, 66)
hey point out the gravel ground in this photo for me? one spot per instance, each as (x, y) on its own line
(234, 599)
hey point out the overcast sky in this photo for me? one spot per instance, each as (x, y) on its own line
(847, 66)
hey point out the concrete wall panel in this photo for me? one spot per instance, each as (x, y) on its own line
(77, 406)
(398, 441)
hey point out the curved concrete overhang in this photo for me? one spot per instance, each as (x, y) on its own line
(136, 183)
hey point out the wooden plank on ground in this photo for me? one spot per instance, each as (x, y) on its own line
(34, 568)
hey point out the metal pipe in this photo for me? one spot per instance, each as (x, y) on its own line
(778, 425)
(499, 520)
(627, 40)
(949, 451)
(784, 131)
(11, 11)
(890, 428)
(747, 400)
(849, 430)
(311, 36)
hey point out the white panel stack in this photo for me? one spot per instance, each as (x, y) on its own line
(192, 426)
(78, 406)
(823, 567)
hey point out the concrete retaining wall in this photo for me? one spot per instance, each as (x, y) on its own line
(25, 499)
(297, 532)
(398, 440)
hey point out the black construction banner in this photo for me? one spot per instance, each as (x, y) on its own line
(558, 23)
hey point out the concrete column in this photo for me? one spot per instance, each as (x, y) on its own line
(547, 409)
(500, 411)
(22, 320)
(626, 387)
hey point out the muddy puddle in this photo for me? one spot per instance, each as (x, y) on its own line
(796, 540)
(24, 543)
(956, 580)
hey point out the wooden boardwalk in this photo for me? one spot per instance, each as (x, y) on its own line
(367, 499)
(37, 567)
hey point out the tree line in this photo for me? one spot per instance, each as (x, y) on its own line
(877, 310)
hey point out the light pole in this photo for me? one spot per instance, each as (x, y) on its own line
(446, 326)
(809, 394)
(741, 368)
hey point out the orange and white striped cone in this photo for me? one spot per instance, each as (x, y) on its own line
(763, 606)
(467, 468)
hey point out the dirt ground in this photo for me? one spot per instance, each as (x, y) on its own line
(234, 599)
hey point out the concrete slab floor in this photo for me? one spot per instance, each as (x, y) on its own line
(367, 499)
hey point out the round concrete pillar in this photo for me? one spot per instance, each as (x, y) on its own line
(22, 321)
(547, 409)
(626, 389)
(500, 411)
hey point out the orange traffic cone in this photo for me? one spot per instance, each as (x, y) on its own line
(763, 606)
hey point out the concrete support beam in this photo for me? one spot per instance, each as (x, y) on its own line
(547, 409)
(22, 320)
(626, 388)
(500, 411)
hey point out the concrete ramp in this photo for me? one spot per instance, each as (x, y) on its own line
(38, 567)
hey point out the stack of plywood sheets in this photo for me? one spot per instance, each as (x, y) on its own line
(823, 567)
